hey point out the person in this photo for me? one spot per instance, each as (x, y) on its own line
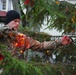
(24, 42)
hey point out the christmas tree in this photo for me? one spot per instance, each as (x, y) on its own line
(62, 17)
(64, 63)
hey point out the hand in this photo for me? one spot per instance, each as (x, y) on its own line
(66, 40)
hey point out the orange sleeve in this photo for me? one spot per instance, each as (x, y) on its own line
(23, 40)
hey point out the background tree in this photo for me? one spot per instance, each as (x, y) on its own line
(57, 14)
(64, 62)
(16, 5)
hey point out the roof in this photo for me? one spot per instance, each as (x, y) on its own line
(2, 13)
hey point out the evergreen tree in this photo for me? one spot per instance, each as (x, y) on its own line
(60, 15)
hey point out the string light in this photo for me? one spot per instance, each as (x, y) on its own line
(57, 2)
(16, 44)
(21, 51)
(20, 40)
(47, 51)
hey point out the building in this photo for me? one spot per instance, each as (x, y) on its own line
(5, 5)
(71, 1)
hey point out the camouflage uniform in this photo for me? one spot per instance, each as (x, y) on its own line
(28, 43)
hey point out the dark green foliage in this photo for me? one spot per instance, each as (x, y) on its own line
(60, 16)
(17, 67)
(13, 66)
(65, 62)
(66, 54)
(40, 36)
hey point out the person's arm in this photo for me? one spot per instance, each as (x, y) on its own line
(30, 43)
(47, 45)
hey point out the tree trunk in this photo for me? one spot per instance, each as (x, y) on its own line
(16, 5)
